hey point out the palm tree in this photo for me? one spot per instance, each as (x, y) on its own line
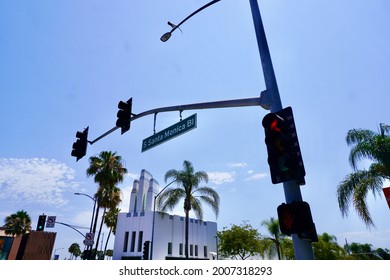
(188, 189)
(74, 250)
(109, 198)
(17, 223)
(356, 186)
(108, 171)
(110, 219)
(274, 243)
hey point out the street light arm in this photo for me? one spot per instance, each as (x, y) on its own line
(164, 189)
(77, 193)
(194, 13)
(167, 35)
(72, 227)
(154, 217)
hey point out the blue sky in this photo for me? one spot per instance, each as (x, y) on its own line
(65, 65)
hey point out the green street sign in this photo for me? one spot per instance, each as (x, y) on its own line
(169, 133)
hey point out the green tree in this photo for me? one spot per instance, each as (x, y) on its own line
(358, 251)
(383, 253)
(327, 248)
(188, 189)
(74, 250)
(17, 223)
(239, 242)
(108, 170)
(272, 245)
(354, 189)
(109, 253)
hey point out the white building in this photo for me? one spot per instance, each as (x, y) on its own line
(135, 227)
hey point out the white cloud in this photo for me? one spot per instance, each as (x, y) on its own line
(35, 180)
(218, 178)
(256, 176)
(237, 164)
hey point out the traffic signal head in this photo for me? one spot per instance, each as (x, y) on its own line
(79, 148)
(145, 252)
(124, 115)
(295, 218)
(284, 154)
(41, 222)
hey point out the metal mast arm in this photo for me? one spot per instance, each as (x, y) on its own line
(256, 101)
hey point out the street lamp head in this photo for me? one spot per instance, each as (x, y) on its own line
(166, 36)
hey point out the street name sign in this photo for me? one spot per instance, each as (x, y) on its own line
(169, 133)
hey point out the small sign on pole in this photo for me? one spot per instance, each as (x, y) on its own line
(88, 241)
(51, 220)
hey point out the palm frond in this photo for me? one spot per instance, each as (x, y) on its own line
(360, 203)
(196, 206)
(345, 190)
(360, 151)
(210, 197)
(355, 187)
(355, 136)
(169, 199)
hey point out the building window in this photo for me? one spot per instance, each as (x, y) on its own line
(205, 251)
(169, 248)
(126, 243)
(181, 249)
(191, 250)
(196, 250)
(132, 245)
(140, 237)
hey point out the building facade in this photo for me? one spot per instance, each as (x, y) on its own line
(136, 226)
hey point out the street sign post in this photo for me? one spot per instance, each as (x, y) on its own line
(169, 133)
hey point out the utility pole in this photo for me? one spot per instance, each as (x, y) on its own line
(302, 248)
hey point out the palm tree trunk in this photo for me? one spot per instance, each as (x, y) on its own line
(277, 244)
(108, 237)
(93, 255)
(100, 230)
(186, 233)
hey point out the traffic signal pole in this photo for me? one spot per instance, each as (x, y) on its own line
(262, 101)
(269, 99)
(302, 248)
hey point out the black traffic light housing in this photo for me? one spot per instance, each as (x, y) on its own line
(284, 154)
(124, 115)
(79, 148)
(145, 252)
(296, 218)
(41, 222)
